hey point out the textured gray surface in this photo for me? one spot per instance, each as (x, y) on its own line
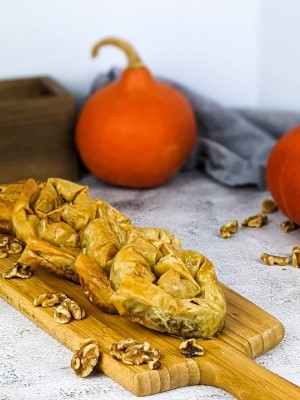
(35, 366)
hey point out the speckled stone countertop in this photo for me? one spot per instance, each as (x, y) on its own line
(33, 365)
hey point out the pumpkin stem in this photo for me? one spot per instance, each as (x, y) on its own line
(133, 58)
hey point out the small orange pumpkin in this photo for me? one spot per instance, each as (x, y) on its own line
(137, 131)
(283, 174)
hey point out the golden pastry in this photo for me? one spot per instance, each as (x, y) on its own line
(140, 273)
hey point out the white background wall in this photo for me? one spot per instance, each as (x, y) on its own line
(279, 83)
(240, 53)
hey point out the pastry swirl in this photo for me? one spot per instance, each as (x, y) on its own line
(139, 273)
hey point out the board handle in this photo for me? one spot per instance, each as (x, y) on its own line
(234, 372)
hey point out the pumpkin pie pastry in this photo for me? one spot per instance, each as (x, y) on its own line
(178, 293)
(140, 273)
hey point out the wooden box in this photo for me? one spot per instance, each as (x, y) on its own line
(36, 130)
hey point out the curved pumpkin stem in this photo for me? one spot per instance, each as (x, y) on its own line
(133, 58)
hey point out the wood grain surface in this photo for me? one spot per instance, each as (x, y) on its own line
(228, 361)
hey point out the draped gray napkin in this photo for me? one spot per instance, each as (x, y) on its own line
(232, 144)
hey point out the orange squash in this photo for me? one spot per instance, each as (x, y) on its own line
(283, 174)
(137, 131)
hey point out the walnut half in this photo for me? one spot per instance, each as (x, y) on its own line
(76, 311)
(255, 221)
(62, 315)
(274, 260)
(288, 226)
(15, 248)
(268, 206)
(296, 257)
(18, 271)
(9, 246)
(133, 353)
(68, 309)
(190, 348)
(85, 358)
(227, 229)
(49, 299)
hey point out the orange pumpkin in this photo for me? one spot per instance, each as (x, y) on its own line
(283, 174)
(137, 131)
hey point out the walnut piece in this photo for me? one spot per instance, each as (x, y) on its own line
(18, 271)
(76, 311)
(15, 248)
(85, 358)
(62, 315)
(268, 206)
(134, 353)
(9, 246)
(190, 348)
(296, 257)
(68, 309)
(49, 299)
(154, 364)
(274, 260)
(255, 221)
(4, 246)
(288, 226)
(227, 229)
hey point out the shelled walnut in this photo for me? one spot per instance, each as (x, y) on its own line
(288, 226)
(62, 315)
(15, 248)
(133, 353)
(227, 229)
(68, 309)
(49, 299)
(296, 257)
(255, 221)
(9, 246)
(18, 271)
(190, 348)
(268, 206)
(76, 311)
(85, 358)
(274, 260)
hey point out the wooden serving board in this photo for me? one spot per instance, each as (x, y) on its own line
(249, 332)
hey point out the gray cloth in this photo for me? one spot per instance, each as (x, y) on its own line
(232, 144)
